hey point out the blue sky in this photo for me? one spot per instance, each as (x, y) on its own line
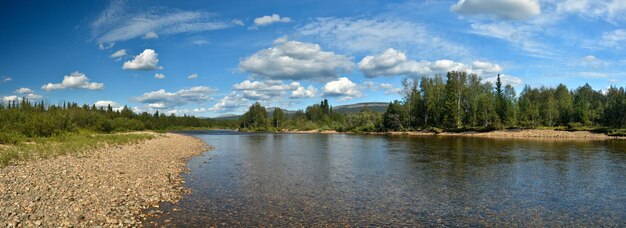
(210, 58)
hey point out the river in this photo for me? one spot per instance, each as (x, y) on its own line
(253, 179)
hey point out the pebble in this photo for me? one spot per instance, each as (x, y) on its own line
(107, 187)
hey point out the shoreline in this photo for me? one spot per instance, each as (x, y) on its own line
(109, 186)
(499, 134)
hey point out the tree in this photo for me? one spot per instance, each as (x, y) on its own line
(278, 117)
(394, 117)
(255, 117)
(454, 90)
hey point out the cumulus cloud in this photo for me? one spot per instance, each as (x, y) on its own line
(105, 104)
(150, 35)
(119, 23)
(23, 90)
(503, 9)
(147, 60)
(377, 34)
(506, 80)
(192, 76)
(302, 92)
(5, 79)
(393, 62)
(296, 61)
(76, 80)
(159, 76)
(11, 98)
(271, 19)
(343, 89)
(232, 102)
(163, 99)
(273, 89)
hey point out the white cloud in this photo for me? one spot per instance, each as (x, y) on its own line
(506, 80)
(504, 9)
(589, 58)
(343, 89)
(105, 104)
(609, 10)
(192, 76)
(159, 76)
(25, 93)
(296, 61)
(23, 90)
(268, 20)
(76, 80)
(238, 22)
(159, 105)
(150, 35)
(163, 99)
(147, 60)
(118, 54)
(232, 102)
(198, 40)
(520, 36)
(5, 79)
(587, 74)
(393, 62)
(273, 90)
(614, 39)
(302, 92)
(376, 35)
(11, 98)
(593, 61)
(386, 87)
(118, 23)
(32, 96)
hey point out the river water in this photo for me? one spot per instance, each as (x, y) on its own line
(253, 179)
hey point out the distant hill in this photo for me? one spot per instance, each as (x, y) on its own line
(350, 108)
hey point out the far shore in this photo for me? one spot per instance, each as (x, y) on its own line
(512, 133)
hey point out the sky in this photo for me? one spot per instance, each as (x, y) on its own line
(214, 58)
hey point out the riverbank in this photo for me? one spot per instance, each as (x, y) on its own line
(513, 133)
(109, 186)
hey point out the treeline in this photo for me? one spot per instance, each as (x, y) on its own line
(21, 120)
(463, 102)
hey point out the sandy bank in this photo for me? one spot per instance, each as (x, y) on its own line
(110, 186)
(518, 133)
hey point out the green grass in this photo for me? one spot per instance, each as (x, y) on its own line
(68, 143)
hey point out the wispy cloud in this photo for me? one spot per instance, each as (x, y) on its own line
(367, 35)
(118, 23)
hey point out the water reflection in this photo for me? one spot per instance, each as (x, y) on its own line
(306, 179)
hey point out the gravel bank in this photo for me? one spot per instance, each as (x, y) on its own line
(110, 186)
(516, 133)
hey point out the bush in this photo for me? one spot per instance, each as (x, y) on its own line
(11, 138)
(434, 130)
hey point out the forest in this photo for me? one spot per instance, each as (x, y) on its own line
(463, 102)
(22, 120)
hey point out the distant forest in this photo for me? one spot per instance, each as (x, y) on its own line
(463, 102)
(22, 120)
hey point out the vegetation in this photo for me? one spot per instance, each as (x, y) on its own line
(463, 102)
(67, 143)
(20, 121)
